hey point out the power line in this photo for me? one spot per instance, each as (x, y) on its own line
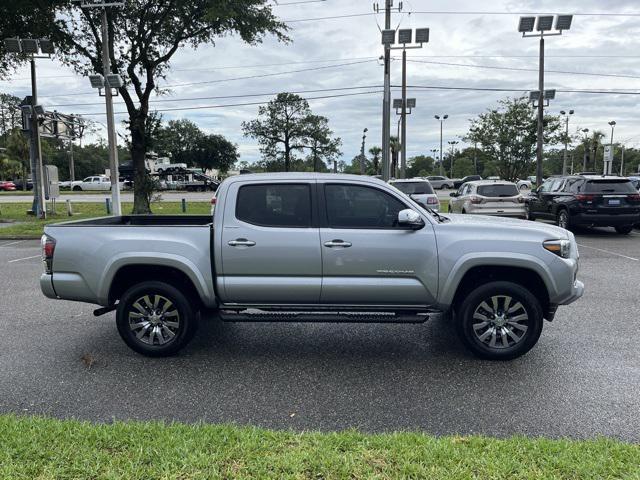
(299, 2)
(202, 107)
(493, 67)
(521, 90)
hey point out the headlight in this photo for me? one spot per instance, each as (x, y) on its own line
(562, 248)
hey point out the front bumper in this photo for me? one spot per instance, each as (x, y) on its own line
(576, 292)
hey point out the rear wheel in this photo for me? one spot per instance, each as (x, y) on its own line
(499, 321)
(77, 188)
(155, 319)
(625, 229)
(562, 219)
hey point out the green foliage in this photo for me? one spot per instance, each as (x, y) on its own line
(144, 36)
(420, 166)
(286, 126)
(508, 135)
(376, 157)
(35, 447)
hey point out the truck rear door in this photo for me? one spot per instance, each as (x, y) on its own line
(270, 244)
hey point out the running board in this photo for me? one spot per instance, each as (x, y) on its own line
(257, 315)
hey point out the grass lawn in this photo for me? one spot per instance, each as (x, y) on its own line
(40, 448)
(29, 226)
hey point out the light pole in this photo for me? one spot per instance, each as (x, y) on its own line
(473, 132)
(362, 157)
(109, 81)
(453, 143)
(544, 24)
(32, 111)
(609, 168)
(566, 139)
(441, 120)
(586, 149)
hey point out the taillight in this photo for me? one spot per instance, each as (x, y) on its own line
(432, 201)
(474, 199)
(634, 197)
(213, 201)
(584, 198)
(48, 248)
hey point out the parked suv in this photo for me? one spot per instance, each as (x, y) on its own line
(587, 200)
(489, 197)
(420, 192)
(440, 182)
(469, 178)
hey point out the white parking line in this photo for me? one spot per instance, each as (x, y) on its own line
(12, 243)
(25, 258)
(610, 253)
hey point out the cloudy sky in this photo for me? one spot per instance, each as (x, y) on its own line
(473, 45)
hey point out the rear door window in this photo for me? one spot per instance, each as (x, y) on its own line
(414, 188)
(609, 186)
(498, 190)
(285, 205)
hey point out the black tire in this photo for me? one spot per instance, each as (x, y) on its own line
(529, 215)
(471, 334)
(77, 188)
(449, 209)
(563, 219)
(187, 323)
(624, 230)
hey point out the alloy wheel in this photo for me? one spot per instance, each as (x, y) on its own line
(500, 322)
(154, 319)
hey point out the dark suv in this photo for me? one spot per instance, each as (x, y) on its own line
(587, 200)
(469, 178)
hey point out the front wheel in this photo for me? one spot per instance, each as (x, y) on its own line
(499, 321)
(562, 219)
(625, 229)
(155, 319)
(77, 188)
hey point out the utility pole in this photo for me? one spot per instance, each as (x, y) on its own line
(540, 113)
(35, 152)
(386, 102)
(111, 128)
(453, 143)
(608, 165)
(441, 120)
(403, 146)
(622, 160)
(72, 170)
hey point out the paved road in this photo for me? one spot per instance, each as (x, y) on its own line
(580, 381)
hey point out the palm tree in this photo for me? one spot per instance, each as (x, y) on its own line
(375, 159)
(395, 146)
(596, 142)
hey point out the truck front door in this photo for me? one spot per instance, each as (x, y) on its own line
(270, 244)
(367, 258)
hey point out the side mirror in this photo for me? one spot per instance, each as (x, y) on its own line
(453, 194)
(410, 218)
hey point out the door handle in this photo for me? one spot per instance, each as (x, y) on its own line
(337, 243)
(241, 242)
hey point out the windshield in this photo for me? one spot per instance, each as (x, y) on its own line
(498, 190)
(414, 188)
(609, 186)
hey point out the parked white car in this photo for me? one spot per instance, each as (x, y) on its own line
(524, 184)
(419, 190)
(98, 183)
(489, 197)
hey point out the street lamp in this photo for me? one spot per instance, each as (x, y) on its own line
(453, 143)
(109, 81)
(566, 139)
(32, 47)
(544, 26)
(405, 36)
(609, 162)
(403, 104)
(441, 120)
(586, 148)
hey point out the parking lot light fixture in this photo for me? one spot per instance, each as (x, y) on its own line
(544, 28)
(566, 139)
(586, 149)
(441, 120)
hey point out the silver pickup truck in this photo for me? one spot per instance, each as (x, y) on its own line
(319, 248)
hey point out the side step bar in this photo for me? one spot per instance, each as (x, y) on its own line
(256, 315)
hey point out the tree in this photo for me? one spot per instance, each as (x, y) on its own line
(322, 148)
(144, 36)
(285, 126)
(18, 151)
(376, 153)
(395, 146)
(508, 135)
(420, 166)
(214, 151)
(10, 116)
(178, 140)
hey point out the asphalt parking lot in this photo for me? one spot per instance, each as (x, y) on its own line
(580, 381)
